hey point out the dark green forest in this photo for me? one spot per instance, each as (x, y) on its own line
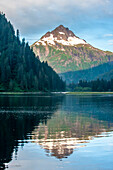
(20, 69)
(99, 85)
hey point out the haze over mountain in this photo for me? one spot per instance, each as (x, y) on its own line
(65, 52)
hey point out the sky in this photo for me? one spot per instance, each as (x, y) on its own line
(91, 20)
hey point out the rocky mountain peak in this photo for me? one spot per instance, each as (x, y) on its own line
(62, 32)
(65, 52)
(60, 35)
(61, 29)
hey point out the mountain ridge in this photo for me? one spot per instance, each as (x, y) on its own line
(65, 52)
(61, 35)
(89, 74)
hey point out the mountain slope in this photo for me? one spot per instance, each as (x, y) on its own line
(107, 76)
(66, 52)
(19, 67)
(100, 71)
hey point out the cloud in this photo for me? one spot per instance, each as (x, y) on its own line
(110, 42)
(52, 4)
(108, 35)
(33, 16)
(89, 19)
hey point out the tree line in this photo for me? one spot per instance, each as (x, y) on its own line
(99, 85)
(20, 69)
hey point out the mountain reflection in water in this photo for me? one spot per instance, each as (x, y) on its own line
(60, 124)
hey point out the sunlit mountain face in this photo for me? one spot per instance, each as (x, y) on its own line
(56, 125)
(65, 52)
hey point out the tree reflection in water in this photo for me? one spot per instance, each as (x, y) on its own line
(19, 115)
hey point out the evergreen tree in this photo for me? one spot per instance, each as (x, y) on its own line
(19, 67)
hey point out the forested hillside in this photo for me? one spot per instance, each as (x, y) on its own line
(89, 74)
(20, 70)
(107, 75)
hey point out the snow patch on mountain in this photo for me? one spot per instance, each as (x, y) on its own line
(61, 33)
(51, 40)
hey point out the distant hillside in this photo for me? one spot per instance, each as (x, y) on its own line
(107, 76)
(65, 52)
(102, 71)
(19, 67)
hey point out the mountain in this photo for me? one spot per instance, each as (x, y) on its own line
(65, 52)
(60, 35)
(20, 70)
(100, 72)
(107, 76)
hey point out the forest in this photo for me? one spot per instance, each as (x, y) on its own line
(99, 85)
(20, 69)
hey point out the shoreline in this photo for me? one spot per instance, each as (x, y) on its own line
(88, 93)
(69, 93)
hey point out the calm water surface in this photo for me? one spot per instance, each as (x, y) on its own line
(57, 131)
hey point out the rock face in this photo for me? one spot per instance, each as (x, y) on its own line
(65, 52)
